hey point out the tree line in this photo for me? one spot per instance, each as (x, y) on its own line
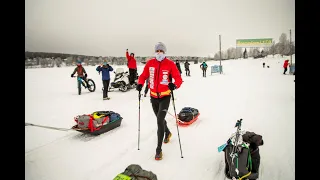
(47, 59)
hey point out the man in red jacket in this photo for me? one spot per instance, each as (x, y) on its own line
(132, 65)
(160, 71)
(285, 66)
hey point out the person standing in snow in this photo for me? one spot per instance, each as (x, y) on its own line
(178, 66)
(285, 66)
(132, 65)
(158, 70)
(105, 69)
(204, 67)
(186, 68)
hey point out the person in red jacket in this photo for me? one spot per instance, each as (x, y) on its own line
(132, 65)
(285, 66)
(160, 71)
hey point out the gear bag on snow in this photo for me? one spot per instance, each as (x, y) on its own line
(240, 165)
(96, 120)
(135, 172)
(187, 114)
(246, 161)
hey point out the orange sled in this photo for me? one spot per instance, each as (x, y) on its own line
(185, 123)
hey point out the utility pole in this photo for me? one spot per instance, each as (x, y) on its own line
(220, 53)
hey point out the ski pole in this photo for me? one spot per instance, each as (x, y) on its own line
(139, 121)
(175, 114)
(235, 145)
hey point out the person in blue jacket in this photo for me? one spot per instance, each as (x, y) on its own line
(105, 69)
(204, 67)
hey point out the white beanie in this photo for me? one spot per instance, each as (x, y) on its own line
(160, 46)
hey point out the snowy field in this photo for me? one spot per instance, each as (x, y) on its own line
(263, 97)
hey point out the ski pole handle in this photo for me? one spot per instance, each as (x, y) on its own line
(238, 124)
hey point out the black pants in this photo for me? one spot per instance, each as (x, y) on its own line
(160, 107)
(105, 87)
(204, 72)
(187, 72)
(132, 76)
(285, 70)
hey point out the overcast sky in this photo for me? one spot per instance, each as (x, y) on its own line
(187, 27)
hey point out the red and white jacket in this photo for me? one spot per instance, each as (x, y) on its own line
(160, 74)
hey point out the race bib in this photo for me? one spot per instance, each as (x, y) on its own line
(165, 77)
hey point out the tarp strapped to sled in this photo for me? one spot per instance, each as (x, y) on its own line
(135, 172)
(98, 122)
(187, 116)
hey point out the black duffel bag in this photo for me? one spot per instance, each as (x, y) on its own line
(187, 114)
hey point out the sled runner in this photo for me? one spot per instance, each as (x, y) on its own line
(97, 123)
(187, 116)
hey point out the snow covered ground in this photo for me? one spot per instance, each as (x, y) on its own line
(263, 97)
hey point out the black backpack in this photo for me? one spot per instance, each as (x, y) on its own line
(187, 114)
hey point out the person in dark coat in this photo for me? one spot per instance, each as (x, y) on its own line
(105, 69)
(81, 72)
(186, 68)
(178, 66)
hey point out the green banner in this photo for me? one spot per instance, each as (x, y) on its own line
(264, 42)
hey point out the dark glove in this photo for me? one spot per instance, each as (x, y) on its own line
(172, 86)
(72, 75)
(139, 87)
(86, 75)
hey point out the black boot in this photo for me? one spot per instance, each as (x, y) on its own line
(167, 137)
(158, 154)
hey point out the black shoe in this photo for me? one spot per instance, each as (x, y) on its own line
(167, 137)
(158, 155)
